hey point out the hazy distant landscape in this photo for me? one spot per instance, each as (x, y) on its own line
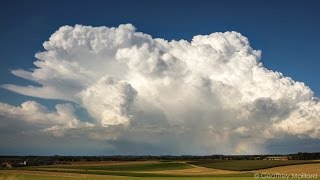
(296, 166)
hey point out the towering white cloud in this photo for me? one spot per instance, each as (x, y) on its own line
(210, 95)
(109, 101)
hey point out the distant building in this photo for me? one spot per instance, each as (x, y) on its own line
(18, 163)
(7, 165)
(14, 163)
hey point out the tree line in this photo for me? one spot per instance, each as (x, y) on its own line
(56, 159)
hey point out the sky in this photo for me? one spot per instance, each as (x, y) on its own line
(162, 77)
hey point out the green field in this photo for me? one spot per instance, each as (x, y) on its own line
(132, 167)
(246, 165)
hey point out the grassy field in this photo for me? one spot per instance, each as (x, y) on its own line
(246, 165)
(157, 166)
(149, 170)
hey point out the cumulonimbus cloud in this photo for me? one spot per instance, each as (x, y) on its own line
(212, 90)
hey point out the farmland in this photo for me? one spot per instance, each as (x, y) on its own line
(158, 170)
(246, 165)
(155, 166)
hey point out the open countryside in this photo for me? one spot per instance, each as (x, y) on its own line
(164, 169)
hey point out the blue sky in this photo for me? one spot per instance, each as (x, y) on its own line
(287, 32)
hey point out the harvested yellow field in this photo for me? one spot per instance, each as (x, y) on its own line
(301, 168)
(58, 175)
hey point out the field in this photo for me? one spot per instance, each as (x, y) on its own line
(154, 166)
(157, 170)
(246, 165)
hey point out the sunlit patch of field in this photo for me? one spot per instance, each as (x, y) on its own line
(26, 175)
(298, 169)
(197, 171)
